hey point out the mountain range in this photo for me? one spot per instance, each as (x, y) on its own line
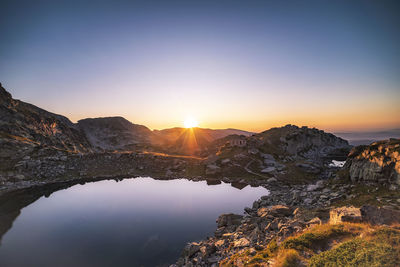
(25, 124)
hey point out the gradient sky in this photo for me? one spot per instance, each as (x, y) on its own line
(242, 64)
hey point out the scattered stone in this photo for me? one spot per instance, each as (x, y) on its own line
(313, 187)
(268, 170)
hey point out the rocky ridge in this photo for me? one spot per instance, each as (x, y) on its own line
(40, 147)
(279, 153)
(25, 125)
(377, 163)
(114, 133)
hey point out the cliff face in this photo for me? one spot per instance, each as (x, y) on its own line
(293, 153)
(114, 133)
(376, 163)
(304, 142)
(25, 125)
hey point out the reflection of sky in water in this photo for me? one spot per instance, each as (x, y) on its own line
(134, 222)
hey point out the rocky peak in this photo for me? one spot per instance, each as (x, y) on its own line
(309, 143)
(114, 133)
(4, 95)
(25, 125)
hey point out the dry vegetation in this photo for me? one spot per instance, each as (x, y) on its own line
(347, 244)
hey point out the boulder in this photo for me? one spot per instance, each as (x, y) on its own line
(345, 214)
(277, 210)
(207, 250)
(377, 163)
(191, 248)
(229, 219)
(317, 185)
(280, 210)
(242, 242)
(380, 215)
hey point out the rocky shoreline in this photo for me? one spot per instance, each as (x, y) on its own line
(274, 218)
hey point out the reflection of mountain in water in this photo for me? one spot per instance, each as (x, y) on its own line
(12, 203)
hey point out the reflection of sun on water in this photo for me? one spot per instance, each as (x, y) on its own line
(190, 122)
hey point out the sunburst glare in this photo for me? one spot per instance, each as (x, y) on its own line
(190, 122)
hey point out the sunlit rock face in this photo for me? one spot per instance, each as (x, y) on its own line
(24, 126)
(378, 163)
(305, 142)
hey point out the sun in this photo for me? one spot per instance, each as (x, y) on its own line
(190, 122)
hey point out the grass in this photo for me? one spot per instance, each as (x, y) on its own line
(294, 175)
(288, 258)
(348, 244)
(316, 238)
(252, 261)
(380, 248)
(370, 195)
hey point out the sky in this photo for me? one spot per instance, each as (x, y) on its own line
(250, 65)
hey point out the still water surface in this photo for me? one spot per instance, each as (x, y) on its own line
(134, 222)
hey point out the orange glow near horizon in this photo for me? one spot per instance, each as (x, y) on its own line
(251, 65)
(251, 112)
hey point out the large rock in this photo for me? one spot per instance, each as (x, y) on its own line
(277, 210)
(316, 186)
(380, 215)
(242, 242)
(367, 214)
(190, 249)
(229, 219)
(345, 214)
(376, 163)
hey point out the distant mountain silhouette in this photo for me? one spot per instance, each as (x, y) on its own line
(22, 123)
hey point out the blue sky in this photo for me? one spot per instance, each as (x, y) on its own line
(243, 64)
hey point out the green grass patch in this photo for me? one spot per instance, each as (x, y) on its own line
(289, 258)
(379, 248)
(370, 195)
(316, 238)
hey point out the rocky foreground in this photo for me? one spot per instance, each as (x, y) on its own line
(272, 233)
(279, 235)
(349, 220)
